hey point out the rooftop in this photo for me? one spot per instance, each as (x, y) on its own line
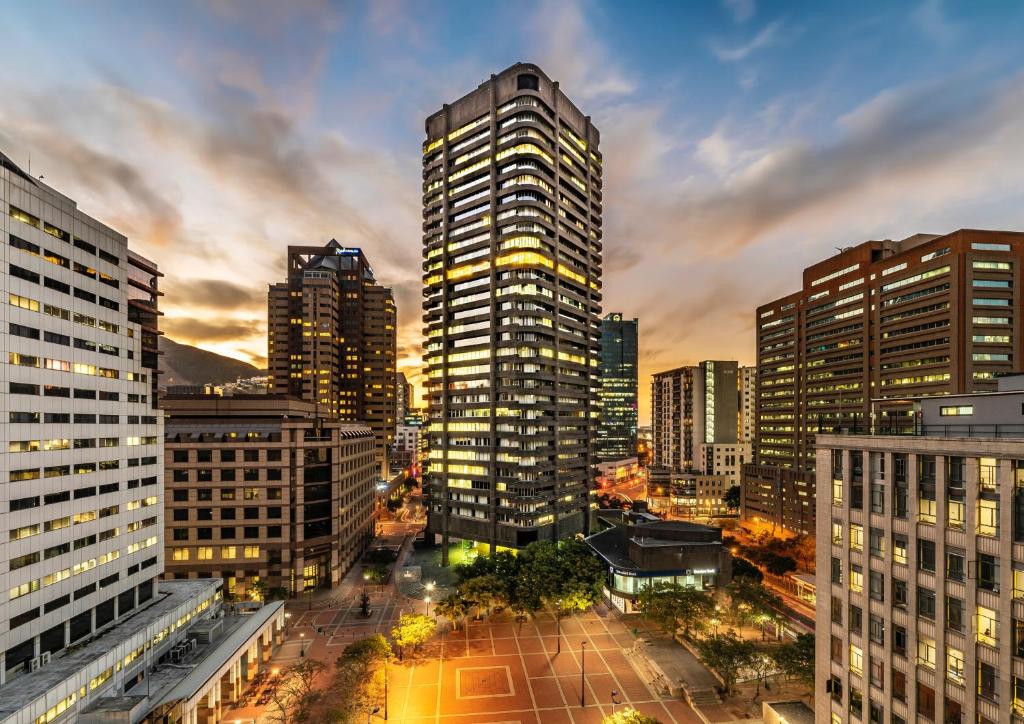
(21, 690)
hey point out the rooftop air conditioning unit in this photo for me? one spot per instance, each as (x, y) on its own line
(44, 658)
(33, 664)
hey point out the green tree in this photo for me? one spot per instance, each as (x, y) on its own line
(257, 590)
(453, 608)
(565, 576)
(412, 631)
(763, 665)
(731, 499)
(779, 565)
(796, 658)
(629, 715)
(751, 601)
(485, 592)
(742, 568)
(726, 654)
(671, 605)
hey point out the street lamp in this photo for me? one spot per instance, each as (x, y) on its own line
(583, 673)
(558, 628)
(426, 606)
(614, 700)
(302, 650)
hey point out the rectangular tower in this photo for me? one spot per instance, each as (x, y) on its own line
(81, 508)
(872, 326)
(332, 338)
(691, 407)
(512, 286)
(616, 434)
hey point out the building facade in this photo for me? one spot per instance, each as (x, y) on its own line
(512, 283)
(83, 501)
(870, 327)
(616, 432)
(403, 397)
(747, 404)
(332, 338)
(724, 459)
(265, 488)
(692, 406)
(640, 550)
(920, 566)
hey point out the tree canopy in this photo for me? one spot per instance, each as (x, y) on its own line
(413, 630)
(629, 715)
(671, 605)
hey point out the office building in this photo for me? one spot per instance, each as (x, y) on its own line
(691, 406)
(265, 488)
(871, 326)
(512, 284)
(403, 397)
(724, 459)
(332, 338)
(920, 565)
(747, 404)
(83, 618)
(640, 549)
(687, 495)
(616, 431)
(408, 444)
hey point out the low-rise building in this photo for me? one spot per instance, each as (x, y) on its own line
(639, 549)
(619, 472)
(265, 487)
(920, 565)
(724, 459)
(687, 495)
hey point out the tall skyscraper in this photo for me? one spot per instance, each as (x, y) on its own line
(747, 403)
(332, 338)
(872, 326)
(692, 406)
(403, 398)
(512, 280)
(616, 432)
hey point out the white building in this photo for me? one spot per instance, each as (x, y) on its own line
(920, 569)
(746, 381)
(83, 620)
(724, 459)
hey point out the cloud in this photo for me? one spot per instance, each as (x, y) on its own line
(190, 330)
(570, 53)
(954, 139)
(741, 10)
(212, 293)
(930, 18)
(769, 35)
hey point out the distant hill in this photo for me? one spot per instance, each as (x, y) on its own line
(183, 364)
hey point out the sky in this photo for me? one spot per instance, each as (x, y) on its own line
(743, 140)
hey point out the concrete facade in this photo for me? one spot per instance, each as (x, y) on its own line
(512, 250)
(265, 487)
(920, 578)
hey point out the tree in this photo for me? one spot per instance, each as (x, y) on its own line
(565, 576)
(726, 654)
(751, 601)
(484, 591)
(796, 658)
(453, 608)
(742, 568)
(629, 715)
(731, 499)
(413, 630)
(294, 698)
(671, 605)
(357, 685)
(763, 665)
(779, 565)
(258, 590)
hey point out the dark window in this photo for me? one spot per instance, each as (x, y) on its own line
(180, 496)
(204, 533)
(527, 81)
(180, 456)
(954, 613)
(180, 533)
(926, 555)
(988, 572)
(57, 338)
(204, 456)
(899, 640)
(925, 603)
(181, 514)
(204, 513)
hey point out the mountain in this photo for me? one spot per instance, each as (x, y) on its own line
(183, 364)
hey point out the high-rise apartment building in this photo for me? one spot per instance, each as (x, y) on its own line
(747, 382)
(332, 338)
(616, 432)
(872, 326)
(512, 284)
(82, 502)
(692, 406)
(267, 488)
(403, 398)
(920, 565)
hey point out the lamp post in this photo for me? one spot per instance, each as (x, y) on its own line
(614, 700)
(302, 640)
(558, 628)
(430, 588)
(426, 606)
(385, 688)
(583, 673)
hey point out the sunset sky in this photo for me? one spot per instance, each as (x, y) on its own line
(742, 140)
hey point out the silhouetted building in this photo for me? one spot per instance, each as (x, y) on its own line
(616, 431)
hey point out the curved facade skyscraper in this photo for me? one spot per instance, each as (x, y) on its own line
(512, 286)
